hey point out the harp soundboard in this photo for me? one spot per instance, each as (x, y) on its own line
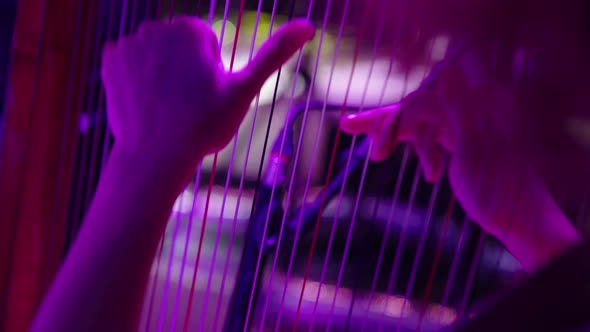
(383, 251)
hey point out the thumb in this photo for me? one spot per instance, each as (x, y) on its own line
(272, 55)
(366, 122)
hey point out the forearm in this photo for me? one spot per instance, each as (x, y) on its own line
(101, 284)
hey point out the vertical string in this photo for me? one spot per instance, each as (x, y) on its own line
(187, 238)
(349, 235)
(228, 177)
(316, 144)
(95, 151)
(425, 228)
(419, 250)
(292, 176)
(87, 141)
(472, 272)
(158, 260)
(438, 253)
(455, 264)
(211, 181)
(70, 108)
(330, 168)
(400, 245)
(154, 286)
(195, 194)
(376, 44)
(476, 261)
(392, 210)
(107, 136)
(164, 295)
(243, 175)
(396, 190)
(259, 259)
(344, 182)
(259, 264)
(177, 222)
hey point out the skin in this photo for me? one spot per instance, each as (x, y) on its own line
(169, 102)
(475, 124)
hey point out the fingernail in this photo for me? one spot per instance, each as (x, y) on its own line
(306, 27)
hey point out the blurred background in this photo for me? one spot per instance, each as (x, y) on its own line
(392, 251)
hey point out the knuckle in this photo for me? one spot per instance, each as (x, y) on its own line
(149, 28)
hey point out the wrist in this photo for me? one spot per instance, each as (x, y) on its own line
(173, 171)
(169, 158)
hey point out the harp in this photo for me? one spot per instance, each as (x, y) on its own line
(290, 227)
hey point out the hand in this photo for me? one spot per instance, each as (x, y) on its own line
(169, 95)
(489, 171)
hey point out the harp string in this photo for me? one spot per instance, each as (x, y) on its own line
(259, 258)
(400, 245)
(316, 144)
(365, 167)
(330, 167)
(70, 110)
(419, 250)
(178, 294)
(158, 260)
(228, 176)
(271, 275)
(378, 37)
(425, 227)
(246, 159)
(198, 9)
(295, 161)
(291, 181)
(383, 246)
(107, 137)
(154, 286)
(397, 188)
(212, 175)
(107, 132)
(276, 253)
(164, 296)
(349, 235)
(472, 273)
(431, 277)
(265, 143)
(79, 202)
(455, 264)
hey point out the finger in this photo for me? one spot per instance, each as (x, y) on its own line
(149, 29)
(107, 57)
(365, 122)
(202, 32)
(431, 155)
(272, 55)
(385, 137)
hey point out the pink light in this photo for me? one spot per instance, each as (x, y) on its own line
(391, 306)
